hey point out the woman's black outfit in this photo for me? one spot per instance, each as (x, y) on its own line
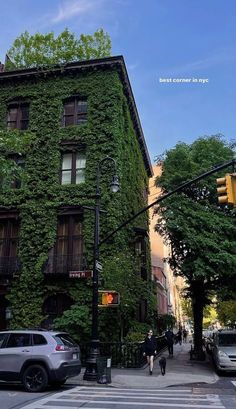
(150, 345)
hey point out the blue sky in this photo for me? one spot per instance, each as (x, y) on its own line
(159, 39)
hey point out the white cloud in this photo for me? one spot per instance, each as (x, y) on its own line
(71, 8)
(221, 56)
(133, 66)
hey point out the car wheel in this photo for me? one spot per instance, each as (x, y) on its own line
(35, 378)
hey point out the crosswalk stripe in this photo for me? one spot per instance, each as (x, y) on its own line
(126, 389)
(160, 397)
(168, 395)
(234, 383)
(113, 402)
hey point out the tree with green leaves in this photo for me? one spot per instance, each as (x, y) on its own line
(227, 313)
(201, 234)
(35, 50)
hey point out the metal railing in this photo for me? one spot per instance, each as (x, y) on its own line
(63, 264)
(9, 265)
(123, 354)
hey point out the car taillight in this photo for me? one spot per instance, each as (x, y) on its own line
(61, 348)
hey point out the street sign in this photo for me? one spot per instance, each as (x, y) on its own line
(80, 274)
(98, 266)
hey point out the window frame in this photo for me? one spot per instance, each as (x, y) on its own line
(18, 105)
(76, 114)
(73, 170)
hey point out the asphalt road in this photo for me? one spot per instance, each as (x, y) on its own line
(220, 395)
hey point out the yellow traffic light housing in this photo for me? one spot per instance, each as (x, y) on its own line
(227, 189)
(109, 298)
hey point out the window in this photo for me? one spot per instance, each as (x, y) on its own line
(64, 339)
(73, 168)
(69, 245)
(9, 230)
(75, 112)
(68, 252)
(227, 339)
(54, 306)
(39, 339)
(18, 340)
(18, 116)
(14, 176)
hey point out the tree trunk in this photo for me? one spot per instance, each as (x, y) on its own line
(197, 288)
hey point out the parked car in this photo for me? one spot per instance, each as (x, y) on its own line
(224, 350)
(37, 358)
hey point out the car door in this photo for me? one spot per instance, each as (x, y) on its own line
(14, 352)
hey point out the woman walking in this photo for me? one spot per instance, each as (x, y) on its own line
(149, 349)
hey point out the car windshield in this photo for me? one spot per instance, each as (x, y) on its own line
(227, 339)
(64, 339)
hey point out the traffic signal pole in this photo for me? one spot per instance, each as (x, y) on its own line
(166, 195)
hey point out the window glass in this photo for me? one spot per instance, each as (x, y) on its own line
(80, 177)
(80, 161)
(81, 112)
(12, 118)
(9, 230)
(80, 166)
(67, 161)
(69, 108)
(18, 340)
(227, 339)
(64, 339)
(39, 339)
(24, 117)
(66, 177)
(82, 107)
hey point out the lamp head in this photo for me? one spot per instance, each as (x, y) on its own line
(115, 184)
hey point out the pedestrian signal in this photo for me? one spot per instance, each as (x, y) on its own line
(227, 189)
(109, 298)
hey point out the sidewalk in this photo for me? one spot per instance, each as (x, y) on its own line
(179, 371)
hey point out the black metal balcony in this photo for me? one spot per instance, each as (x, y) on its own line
(62, 265)
(9, 265)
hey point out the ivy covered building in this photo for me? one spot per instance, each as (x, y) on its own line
(56, 125)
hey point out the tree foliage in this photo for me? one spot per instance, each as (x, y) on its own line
(30, 51)
(76, 321)
(202, 235)
(227, 312)
(14, 143)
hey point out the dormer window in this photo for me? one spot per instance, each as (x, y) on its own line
(75, 112)
(18, 115)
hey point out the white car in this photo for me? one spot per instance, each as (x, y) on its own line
(37, 358)
(224, 350)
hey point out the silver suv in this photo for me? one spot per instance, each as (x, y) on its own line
(224, 350)
(38, 358)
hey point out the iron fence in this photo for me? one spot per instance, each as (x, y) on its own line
(123, 354)
(63, 264)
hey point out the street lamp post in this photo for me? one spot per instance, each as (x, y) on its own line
(91, 363)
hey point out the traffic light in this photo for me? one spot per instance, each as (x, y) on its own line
(227, 189)
(109, 298)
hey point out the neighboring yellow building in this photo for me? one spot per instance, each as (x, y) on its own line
(168, 286)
